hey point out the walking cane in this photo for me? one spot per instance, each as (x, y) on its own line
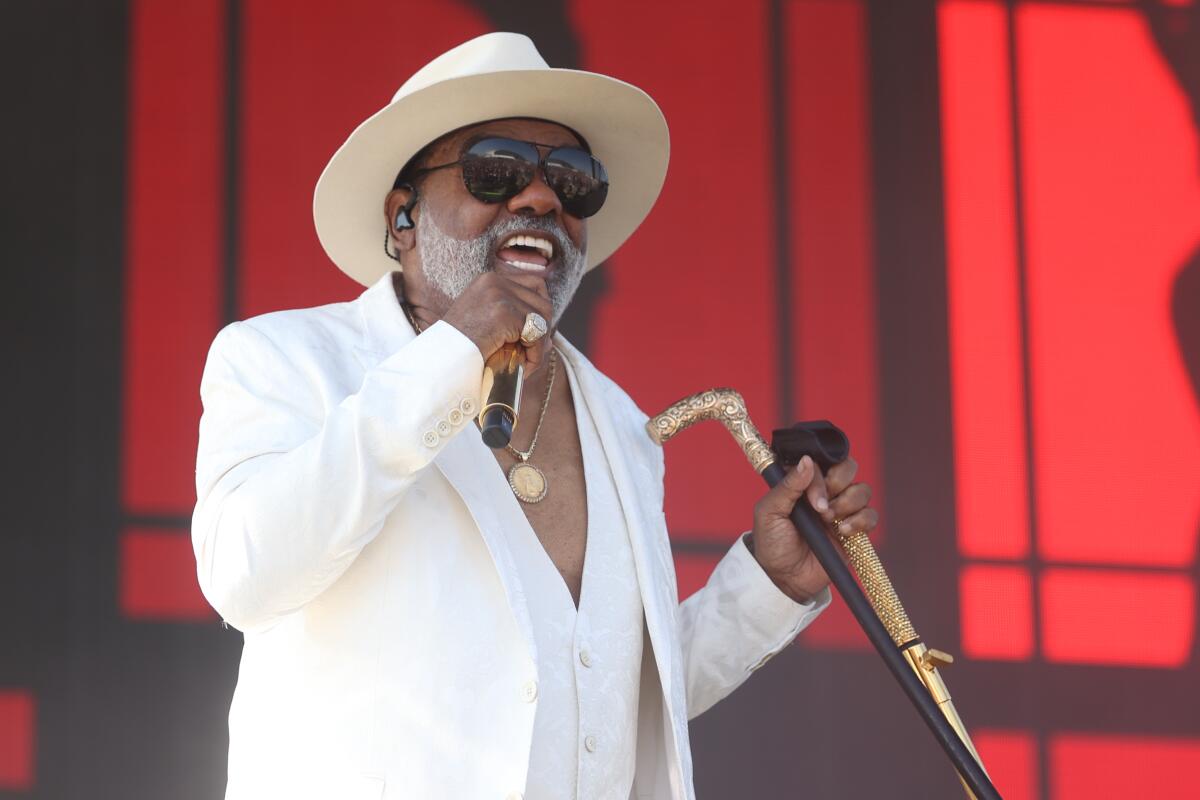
(879, 612)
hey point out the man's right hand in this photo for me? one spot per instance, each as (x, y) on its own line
(491, 313)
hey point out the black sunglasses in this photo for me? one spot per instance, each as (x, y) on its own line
(495, 169)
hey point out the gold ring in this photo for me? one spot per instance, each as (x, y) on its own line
(535, 328)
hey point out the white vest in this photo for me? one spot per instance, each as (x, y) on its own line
(588, 660)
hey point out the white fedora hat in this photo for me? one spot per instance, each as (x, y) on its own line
(490, 77)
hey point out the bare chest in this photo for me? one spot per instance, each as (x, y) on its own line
(559, 520)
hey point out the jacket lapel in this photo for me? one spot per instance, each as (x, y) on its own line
(483, 491)
(622, 445)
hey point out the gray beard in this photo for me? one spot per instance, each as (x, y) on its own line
(451, 264)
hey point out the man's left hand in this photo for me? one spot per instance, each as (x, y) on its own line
(781, 549)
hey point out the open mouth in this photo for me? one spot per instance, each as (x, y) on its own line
(527, 252)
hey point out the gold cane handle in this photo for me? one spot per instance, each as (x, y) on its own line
(724, 405)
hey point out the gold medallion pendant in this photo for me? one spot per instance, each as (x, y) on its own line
(527, 482)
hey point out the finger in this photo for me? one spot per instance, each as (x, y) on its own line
(521, 302)
(535, 283)
(539, 286)
(535, 356)
(818, 494)
(841, 475)
(530, 356)
(850, 501)
(534, 301)
(864, 521)
(782, 497)
(529, 279)
(530, 290)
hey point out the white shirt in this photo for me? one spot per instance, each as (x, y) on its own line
(588, 660)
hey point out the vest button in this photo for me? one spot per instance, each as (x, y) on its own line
(590, 744)
(585, 658)
(529, 691)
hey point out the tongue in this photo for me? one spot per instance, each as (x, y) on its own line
(523, 255)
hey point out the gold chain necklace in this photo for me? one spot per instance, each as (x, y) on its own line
(527, 482)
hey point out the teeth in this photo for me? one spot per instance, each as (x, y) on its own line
(545, 246)
(526, 266)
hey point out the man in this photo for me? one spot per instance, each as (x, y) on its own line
(423, 616)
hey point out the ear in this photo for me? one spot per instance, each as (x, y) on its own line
(400, 206)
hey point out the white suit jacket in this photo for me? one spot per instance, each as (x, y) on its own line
(344, 522)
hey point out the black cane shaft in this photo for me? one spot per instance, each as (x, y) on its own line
(810, 525)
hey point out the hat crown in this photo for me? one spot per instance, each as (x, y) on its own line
(491, 52)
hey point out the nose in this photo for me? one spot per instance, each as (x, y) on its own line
(536, 199)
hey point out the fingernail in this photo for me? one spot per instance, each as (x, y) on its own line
(804, 464)
(822, 504)
(843, 527)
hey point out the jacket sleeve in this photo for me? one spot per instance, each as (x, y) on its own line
(734, 625)
(289, 488)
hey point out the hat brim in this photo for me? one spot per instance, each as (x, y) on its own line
(622, 124)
